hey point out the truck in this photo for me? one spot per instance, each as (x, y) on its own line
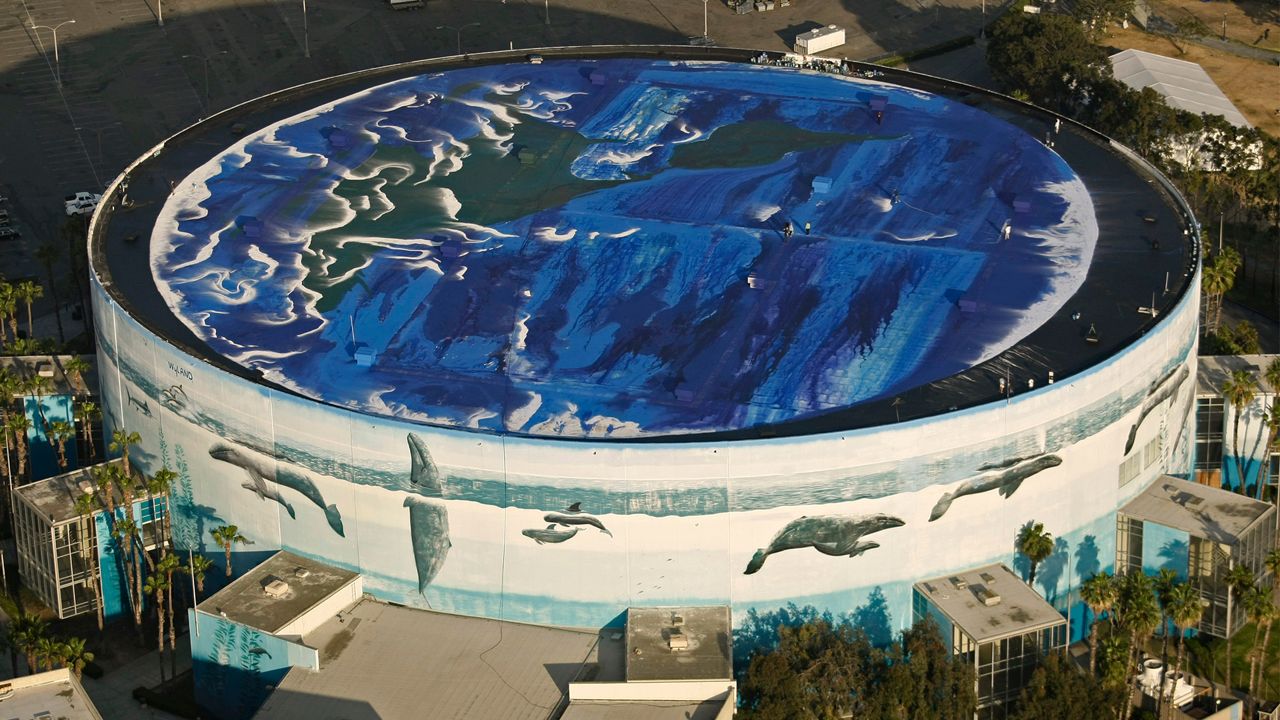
(819, 39)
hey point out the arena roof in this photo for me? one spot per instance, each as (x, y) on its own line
(643, 286)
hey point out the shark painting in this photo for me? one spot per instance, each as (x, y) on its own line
(280, 473)
(429, 533)
(834, 535)
(1006, 481)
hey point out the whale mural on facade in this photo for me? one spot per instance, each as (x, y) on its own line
(429, 534)
(423, 473)
(1160, 390)
(282, 474)
(1006, 481)
(551, 534)
(828, 534)
(573, 515)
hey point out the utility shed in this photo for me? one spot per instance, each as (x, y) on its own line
(1201, 533)
(995, 621)
(819, 39)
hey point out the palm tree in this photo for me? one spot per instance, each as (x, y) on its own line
(227, 536)
(60, 431)
(8, 305)
(156, 585)
(87, 414)
(1139, 617)
(121, 441)
(1185, 608)
(196, 568)
(1239, 578)
(48, 255)
(168, 565)
(1272, 424)
(25, 632)
(124, 532)
(1036, 544)
(86, 505)
(28, 292)
(74, 368)
(1239, 390)
(48, 652)
(17, 426)
(161, 484)
(1099, 593)
(1272, 563)
(75, 656)
(1261, 609)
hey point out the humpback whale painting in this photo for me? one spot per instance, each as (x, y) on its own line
(1006, 481)
(828, 534)
(1160, 390)
(429, 533)
(281, 474)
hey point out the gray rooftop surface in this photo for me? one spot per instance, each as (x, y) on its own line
(1020, 610)
(649, 656)
(53, 693)
(651, 710)
(51, 366)
(1205, 512)
(246, 602)
(1214, 370)
(55, 497)
(399, 663)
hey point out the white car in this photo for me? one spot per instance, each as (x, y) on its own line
(81, 203)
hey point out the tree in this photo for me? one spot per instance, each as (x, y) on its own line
(1099, 593)
(1047, 56)
(1261, 609)
(156, 585)
(227, 536)
(1272, 423)
(17, 426)
(167, 566)
(25, 632)
(1239, 579)
(1185, 608)
(48, 254)
(1058, 691)
(75, 656)
(1138, 615)
(1036, 545)
(124, 531)
(86, 506)
(60, 432)
(1239, 390)
(28, 292)
(196, 568)
(75, 367)
(87, 413)
(48, 652)
(121, 441)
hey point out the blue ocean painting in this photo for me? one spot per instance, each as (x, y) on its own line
(623, 247)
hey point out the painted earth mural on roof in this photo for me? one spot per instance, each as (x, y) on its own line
(599, 248)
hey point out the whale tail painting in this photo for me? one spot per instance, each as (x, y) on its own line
(334, 518)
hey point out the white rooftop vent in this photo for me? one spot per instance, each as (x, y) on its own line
(45, 369)
(677, 620)
(86, 487)
(302, 573)
(276, 588)
(958, 582)
(677, 640)
(988, 598)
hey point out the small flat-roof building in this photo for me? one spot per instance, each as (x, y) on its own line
(53, 695)
(997, 622)
(61, 553)
(1199, 532)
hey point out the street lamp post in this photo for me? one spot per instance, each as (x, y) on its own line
(705, 35)
(98, 132)
(306, 33)
(57, 63)
(206, 60)
(457, 30)
(546, 10)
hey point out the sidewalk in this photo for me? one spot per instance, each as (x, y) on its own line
(113, 693)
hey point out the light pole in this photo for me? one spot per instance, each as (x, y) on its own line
(57, 64)
(457, 30)
(98, 132)
(206, 60)
(546, 10)
(160, 13)
(705, 35)
(306, 33)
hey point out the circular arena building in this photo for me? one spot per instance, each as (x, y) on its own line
(543, 337)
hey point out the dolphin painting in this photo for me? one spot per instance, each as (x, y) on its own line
(260, 473)
(266, 493)
(550, 535)
(422, 470)
(1160, 390)
(835, 535)
(573, 515)
(1005, 481)
(429, 531)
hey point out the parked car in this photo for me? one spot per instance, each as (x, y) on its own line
(8, 233)
(81, 203)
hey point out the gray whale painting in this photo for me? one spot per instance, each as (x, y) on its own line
(1161, 390)
(1006, 482)
(283, 475)
(429, 533)
(828, 534)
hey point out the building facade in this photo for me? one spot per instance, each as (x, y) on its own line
(1234, 442)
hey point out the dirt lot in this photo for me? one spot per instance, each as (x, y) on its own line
(1247, 20)
(1250, 84)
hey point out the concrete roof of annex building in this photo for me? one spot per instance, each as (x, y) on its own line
(53, 695)
(1184, 84)
(398, 663)
(706, 630)
(1200, 510)
(1020, 609)
(55, 497)
(52, 367)
(1214, 370)
(246, 601)
(1141, 244)
(648, 710)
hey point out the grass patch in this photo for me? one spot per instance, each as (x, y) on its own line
(1207, 658)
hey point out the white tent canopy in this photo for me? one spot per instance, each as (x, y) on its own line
(1184, 85)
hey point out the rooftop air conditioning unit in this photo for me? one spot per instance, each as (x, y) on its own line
(677, 641)
(276, 588)
(45, 369)
(988, 598)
